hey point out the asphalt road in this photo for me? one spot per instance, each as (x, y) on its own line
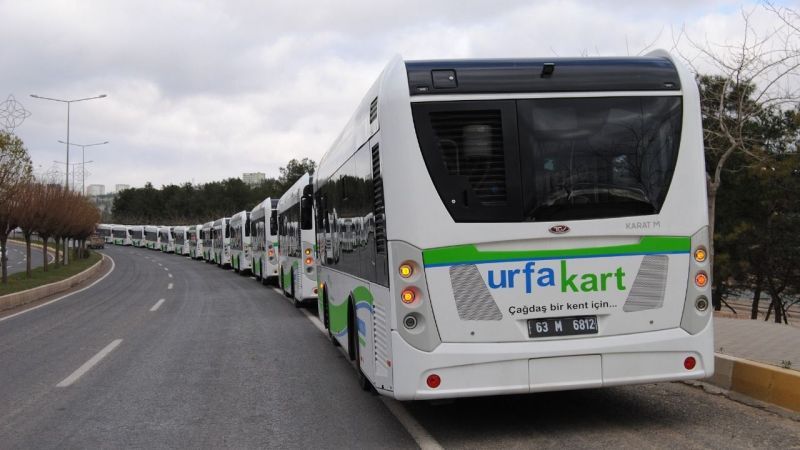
(224, 362)
(17, 257)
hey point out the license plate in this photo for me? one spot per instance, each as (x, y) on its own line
(562, 326)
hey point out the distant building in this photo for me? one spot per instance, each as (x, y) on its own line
(105, 203)
(121, 187)
(93, 190)
(254, 178)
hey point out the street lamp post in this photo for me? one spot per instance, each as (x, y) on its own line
(83, 158)
(83, 168)
(68, 102)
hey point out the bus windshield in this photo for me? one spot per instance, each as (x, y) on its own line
(551, 159)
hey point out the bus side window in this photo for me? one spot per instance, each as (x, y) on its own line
(305, 213)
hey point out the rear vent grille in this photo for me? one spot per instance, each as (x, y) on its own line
(648, 288)
(473, 299)
(373, 110)
(380, 217)
(471, 145)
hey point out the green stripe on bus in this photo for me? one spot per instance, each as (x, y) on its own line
(465, 254)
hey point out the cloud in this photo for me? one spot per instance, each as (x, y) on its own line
(204, 90)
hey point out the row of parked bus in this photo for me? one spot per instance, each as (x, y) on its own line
(499, 226)
(246, 242)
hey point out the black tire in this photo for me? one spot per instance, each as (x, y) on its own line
(297, 304)
(280, 281)
(355, 349)
(351, 326)
(326, 315)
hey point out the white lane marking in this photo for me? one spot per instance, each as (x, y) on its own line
(89, 364)
(157, 305)
(113, 265)
(414, 428)
(423, 438)
(166, 268)
(314, 319)
(160, 265)
(169, 286)
(169, 275)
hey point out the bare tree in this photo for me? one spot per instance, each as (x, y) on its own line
(49, 208)
(27, 217)
(758, 73)
(15, 170)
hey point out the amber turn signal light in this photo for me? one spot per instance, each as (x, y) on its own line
(408, 296)
(701, 279)
(406, 270)
(700, 254)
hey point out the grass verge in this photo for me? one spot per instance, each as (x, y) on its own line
(17, 282)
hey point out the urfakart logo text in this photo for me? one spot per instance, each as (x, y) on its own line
(546, 277)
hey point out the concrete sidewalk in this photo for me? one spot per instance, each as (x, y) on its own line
(756, 340)
(760, 360)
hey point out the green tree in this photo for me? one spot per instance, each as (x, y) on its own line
(294, 170)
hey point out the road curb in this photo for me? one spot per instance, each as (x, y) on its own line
(16, 299)
(763, 382)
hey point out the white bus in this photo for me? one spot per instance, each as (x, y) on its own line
(298, 277)
(151, 237)
(241, 245)
(194, 237)
(207, 236)
(166, 239)
(538, 224)
(104, 230)
(137, 236)
(221, 242)
(181, 241)
(264, 232)
(121, 234)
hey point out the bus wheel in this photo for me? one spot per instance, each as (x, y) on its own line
(351, 335)
(355, 348)
(326, 315)
(297, 304)
(282, 283)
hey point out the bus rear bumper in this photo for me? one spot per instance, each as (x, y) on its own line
(479, 369)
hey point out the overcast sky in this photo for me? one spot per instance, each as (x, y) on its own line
(205, 90)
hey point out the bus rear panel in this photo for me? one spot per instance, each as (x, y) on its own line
(545, 227)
